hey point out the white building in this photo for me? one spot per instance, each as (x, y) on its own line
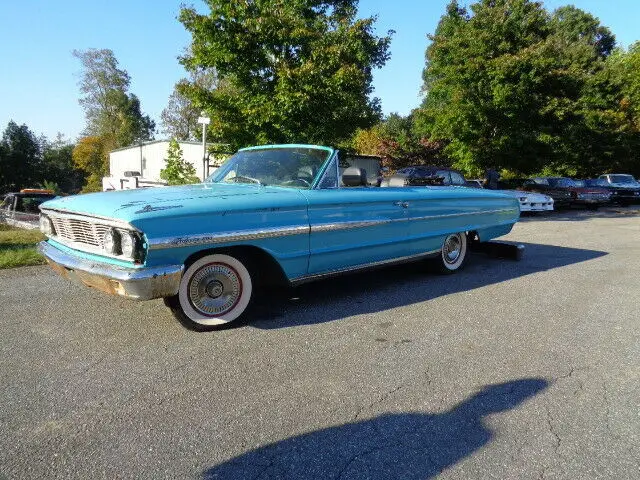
(148, 158)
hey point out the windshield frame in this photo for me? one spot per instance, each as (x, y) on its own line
(221, 172)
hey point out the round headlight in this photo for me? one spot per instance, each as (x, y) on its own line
(111, 242)
(127, 244)
(46, 225)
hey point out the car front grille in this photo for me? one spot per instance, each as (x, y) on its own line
(595, 196)
(79, 231)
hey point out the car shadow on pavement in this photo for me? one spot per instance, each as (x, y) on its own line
(575, 214)
(394, 445)
(390, 287)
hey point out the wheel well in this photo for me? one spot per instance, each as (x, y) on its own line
(267, 270)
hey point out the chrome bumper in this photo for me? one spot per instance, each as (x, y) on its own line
(135, 283)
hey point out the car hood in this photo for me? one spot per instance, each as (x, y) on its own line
(132, 205)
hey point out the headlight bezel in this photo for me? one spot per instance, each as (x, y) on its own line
(111, 242)
(46, 225)
(130, 239)
(122, 243)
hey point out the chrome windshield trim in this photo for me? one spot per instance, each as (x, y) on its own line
(111, 222)
(223, 237)
(366, 266)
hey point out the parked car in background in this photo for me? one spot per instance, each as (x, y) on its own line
(529, 201)
(444, 176)
(566, 192)
(420, 175)
(278, 214)
(21, 208)
(624, 188)
(618, 195)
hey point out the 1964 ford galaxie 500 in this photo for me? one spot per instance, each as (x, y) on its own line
(271, 214)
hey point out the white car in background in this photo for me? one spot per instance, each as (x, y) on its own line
(529, 201)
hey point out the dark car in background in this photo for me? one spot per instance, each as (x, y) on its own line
(624, 196)
(561, 196)
(420, 175)
(625, 189)
(566, 192)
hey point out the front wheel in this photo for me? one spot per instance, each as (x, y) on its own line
(452, 254)
(215, 291)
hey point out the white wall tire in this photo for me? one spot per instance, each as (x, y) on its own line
(453, 253)
(215, 291)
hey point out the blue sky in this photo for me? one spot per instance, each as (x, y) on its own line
(38, 79)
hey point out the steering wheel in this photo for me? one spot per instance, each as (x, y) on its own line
(298, 180)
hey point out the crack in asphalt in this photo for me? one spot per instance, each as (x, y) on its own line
(381, 399)
(552, 430)
(365, 453)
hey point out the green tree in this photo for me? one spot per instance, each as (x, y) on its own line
(289, 71)
(395, 139)
(177, 171)
(509, 85)
(20, 158)
(180, 116)
(58, 166)
(111, 112)
(92, 157)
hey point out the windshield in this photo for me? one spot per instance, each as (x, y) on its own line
(561, 182)
(285, 167)
(622, 179)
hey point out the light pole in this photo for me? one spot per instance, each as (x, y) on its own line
(204, 121)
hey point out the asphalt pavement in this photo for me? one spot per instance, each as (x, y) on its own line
(526, 369)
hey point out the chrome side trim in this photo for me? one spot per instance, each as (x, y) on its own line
(243, 235)
(367, 266)
(112, 222)
(222, 237)
(462, 214)
(330, 227)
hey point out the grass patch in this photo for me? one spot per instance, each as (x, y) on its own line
(18, 247)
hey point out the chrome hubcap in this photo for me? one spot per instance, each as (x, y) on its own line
(215, 289)
(452, 249)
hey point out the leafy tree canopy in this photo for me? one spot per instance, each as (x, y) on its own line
(20, 157)
(509, 85)
(91, 156)
(289, 70)
(111, 111)
(180, 116)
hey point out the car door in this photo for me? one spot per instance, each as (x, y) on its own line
(355, 226)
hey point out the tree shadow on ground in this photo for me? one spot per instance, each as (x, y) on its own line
(581, 214)
(406, 445)
(391, 287)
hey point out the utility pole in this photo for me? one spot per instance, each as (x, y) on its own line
(204, 120)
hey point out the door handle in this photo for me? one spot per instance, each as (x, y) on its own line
(401, 204)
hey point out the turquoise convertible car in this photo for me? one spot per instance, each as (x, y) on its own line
(278, 214)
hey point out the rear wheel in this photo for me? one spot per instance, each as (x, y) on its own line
(215, 291)
(452, 254)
